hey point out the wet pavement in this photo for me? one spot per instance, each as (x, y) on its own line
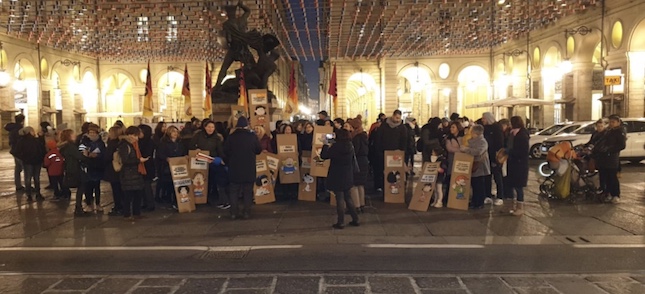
(325, 284)
(556, 247)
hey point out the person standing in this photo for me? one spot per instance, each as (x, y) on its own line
(453, 143)
(75, 168)
(517, 164)
(30, 149)
(391, 135)
(96, 151)
(359, 141)
(412, 130)
(55, 165)
(132, 172)
(240, 150)
(209, 140)
(265, 139)
(170, 146)
(478, 147)
(340, 178)
(495, 139)
(607, 152)
(431, 138)
(147, 148)
(115, 135)
(13, 129)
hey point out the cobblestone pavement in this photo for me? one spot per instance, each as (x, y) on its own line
(336, 284)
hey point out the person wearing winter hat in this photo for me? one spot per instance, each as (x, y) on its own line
(361, 150)
(55, 164)
(240, 151)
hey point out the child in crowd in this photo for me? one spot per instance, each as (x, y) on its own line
(55, 164)
(438, 155)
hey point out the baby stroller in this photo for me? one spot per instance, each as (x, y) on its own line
(571, 177)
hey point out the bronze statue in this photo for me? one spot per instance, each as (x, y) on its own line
(238, 41)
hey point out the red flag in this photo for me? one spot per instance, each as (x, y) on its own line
(292, 101)
(333, 91)
(242, 100)
(208, 105)
(147, 99)
(185, 90)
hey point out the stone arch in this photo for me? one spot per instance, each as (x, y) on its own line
(424, 66)
(552, 57)
(586, 45)
(109, 73)
(461, 68)
(361, 92)
(635, 43)
(28, 66)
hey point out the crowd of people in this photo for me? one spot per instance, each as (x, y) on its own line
(132, 158)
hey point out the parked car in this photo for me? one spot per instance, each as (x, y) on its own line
(634, 148)
(535, 142)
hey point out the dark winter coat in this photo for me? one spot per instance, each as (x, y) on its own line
(341, 168)
(54, 163)
(31, 150)
(147, 148)
(130, 178)
(607, 150)
(431, 137)
(167, 149)
(240, 150)
(411, 147)
(75, 165)
(13, 129)
(495, 138)
(109, 174)
(361, 150)
(266, 144)
(95, 165)
(304, 141)
(211, 143)
(390, 136)
(518, 159)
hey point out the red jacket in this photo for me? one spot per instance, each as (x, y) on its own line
(55, 163)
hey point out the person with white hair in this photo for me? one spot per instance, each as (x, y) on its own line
(478, 147)
(495, 138)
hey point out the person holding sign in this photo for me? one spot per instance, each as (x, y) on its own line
(340, 178)
(391, 135)
(208, 139)
(453, 143)
(241, 149)
(132, 173)
(478, 147)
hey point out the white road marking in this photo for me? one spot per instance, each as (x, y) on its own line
(154, 248)
(587, 246)
(424, 246)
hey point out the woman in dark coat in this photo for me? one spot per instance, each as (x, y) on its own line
(518, 163)
(169, 146)
(208, 139)
(31, 150)
(147, 147)
(359, 141)
(265, 139)
(132, 172)
(431, 137)
(607, 154)
(115, 134)
(340, 178)
(75, 168)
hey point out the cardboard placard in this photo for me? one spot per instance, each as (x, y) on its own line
(459, 189)
(307, 185)
(273, 161)
(394, 177)
(198, 171)
(424, 190)
(238, 111)
(182, 182)
(288, 151)
(263, 189)
(319, 167)
(259, 108)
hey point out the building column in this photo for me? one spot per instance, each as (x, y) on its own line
(391, 82)
(582, 84)
(636, 84)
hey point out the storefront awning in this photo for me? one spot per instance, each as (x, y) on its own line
(480, 105)
(617, 97)
(119, 114)
(521, 102)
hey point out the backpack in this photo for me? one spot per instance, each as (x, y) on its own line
(117, 164)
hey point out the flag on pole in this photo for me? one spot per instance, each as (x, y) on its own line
(147, 99)
(292, 101)
(242, 101)
(185, 90)
(208, 104)
(333, 91)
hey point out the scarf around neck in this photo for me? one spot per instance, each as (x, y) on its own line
(142, 167)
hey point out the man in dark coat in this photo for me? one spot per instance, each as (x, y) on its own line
(391, 135)
(607, 153)
(495, 138)
(13, 129)
(431, 138)
(241, 149)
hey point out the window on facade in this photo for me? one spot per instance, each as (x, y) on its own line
(142, 29)
(171, 35)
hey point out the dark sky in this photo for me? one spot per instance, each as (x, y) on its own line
(311, 72)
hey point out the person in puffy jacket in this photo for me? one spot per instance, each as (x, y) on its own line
(361, 150)
(75, 168)
(95, 166)
(478, 148)
(55, 165)
(31, 150)
(132, 173)
(607, 154)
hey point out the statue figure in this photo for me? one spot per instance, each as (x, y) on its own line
(238, 42)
